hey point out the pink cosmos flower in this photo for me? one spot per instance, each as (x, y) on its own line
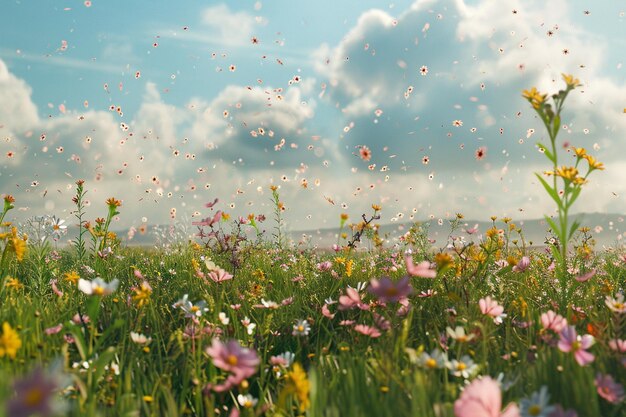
(570, 341)
(553, 321)
(367, 330)
(352, 299)
(422, 269)
(490, 307)
(608, 389)
(388, 291)
(586, 277)
(522, 265)
(482, 398)
(231, 357)
(219, 275)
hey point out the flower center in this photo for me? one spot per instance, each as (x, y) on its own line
(431, 363)
(98, 291)
(232, 360)
(534, 410)
(392, 291)
(195, 309)
(576, 345)
(461, 366)
(301, 328)
(33, 397)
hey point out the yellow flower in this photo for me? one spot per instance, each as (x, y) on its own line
(593, 164)
(142, 294)
(349, 265)
(71, 276)
(14, 283)
(534, 96)
(443, 260)
(298, 383)
(18, 246)
(376, 207)
(571, 81)
(10, 341)
(567, 173)
(580, 152)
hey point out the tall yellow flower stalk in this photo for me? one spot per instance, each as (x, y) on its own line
(566, 180)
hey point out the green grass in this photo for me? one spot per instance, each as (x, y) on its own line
(350, 374)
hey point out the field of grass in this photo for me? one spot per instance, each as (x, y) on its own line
(227, 325)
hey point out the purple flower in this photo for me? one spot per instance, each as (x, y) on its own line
(570, 341)
(34, 395)
(608, 389)
(388, 291)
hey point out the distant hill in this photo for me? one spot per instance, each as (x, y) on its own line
(607, 229)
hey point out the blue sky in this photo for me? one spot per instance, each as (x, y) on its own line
(329, 78)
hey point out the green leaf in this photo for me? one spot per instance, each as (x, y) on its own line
(79, 340)
(553, 226)
(104, 359)
(552, 192)
(574, 195)
(556, 125)
(546, 151)
(573, 229)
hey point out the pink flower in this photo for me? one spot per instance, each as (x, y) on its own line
(367, 330)
(219, 275)
(553, 321)
(422, 269)
(324, 266)
(618, 345)
(482, 398)
(231, 357)
(608, 389)
(490, 307)
(53, 330)
(586, 277)
(55, 289)
(351, 299)
(326, 312)
(79, 320)
(570, 341)
(209, 205)
(388, 291)
(522, 265)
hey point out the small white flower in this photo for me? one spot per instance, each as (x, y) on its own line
(140, 339)
(616, 304)
(465, 367)
(98, 286)
(246, 401)
(223, 319)
(301, 328)
(248, 325)
(459, 335)
(537, 404)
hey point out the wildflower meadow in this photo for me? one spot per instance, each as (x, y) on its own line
(241, 322)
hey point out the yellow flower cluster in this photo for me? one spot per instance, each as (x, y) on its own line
(298, 384)
(16, 244)
(10, 341)
(142, 294)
